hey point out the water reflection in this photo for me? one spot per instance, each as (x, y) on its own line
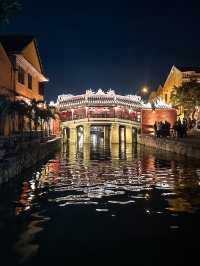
(107, 179)
(88, 173)
(25, 246)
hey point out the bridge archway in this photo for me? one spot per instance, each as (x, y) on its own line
(100, 134)
(104, 133)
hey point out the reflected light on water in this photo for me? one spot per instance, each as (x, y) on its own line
(106, 181)
(89, 173)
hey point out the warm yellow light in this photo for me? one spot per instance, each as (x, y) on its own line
(145, 89)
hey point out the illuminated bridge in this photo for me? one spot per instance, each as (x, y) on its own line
(102, 116)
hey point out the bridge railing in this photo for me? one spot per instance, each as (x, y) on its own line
(105, 115)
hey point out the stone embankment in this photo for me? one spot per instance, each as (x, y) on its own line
(184, 147)
(24, 155)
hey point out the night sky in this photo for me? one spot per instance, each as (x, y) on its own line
(109, 44)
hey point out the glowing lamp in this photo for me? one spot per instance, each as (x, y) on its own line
(145, 90)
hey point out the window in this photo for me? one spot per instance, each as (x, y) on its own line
(41, 88)
(166, 98)
(30, 80)
(21, 75)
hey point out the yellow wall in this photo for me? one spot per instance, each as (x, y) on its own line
(23, 90)
(174, 79)
(6, 87)
(30, 53)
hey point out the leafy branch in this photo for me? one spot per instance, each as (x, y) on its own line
(8, 8)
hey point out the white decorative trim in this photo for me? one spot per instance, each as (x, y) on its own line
(106, 99)
(159, 104)
(20, 60)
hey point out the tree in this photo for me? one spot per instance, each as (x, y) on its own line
(39, 115)
(186, 97)
(10, 109)
(36, 111)
(50, 114)
(8, 8)
(45, 115)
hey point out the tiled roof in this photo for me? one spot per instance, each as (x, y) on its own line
(15, 43)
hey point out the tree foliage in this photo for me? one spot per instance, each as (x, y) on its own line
(36, 112)
(8, 8)
(186, 96)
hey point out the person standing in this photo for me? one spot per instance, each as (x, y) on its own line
(155, 126)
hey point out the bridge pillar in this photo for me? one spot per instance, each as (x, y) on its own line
(115, 150)
(73, 134)
(106, 135)
(129, 135)
(115, 133)
(86, 134)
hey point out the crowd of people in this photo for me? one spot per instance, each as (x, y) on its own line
(162, 129)
(179, 129)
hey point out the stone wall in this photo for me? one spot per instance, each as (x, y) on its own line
(25, 156)
(170, 145)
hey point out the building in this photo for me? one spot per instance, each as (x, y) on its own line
(6, 79)
(176, 77)
(108, 116)
(27, 75)
(22, 76)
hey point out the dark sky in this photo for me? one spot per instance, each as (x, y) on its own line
(110, 44)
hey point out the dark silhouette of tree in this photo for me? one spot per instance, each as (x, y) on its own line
(186, 97)
(8, 8)
(37, 112)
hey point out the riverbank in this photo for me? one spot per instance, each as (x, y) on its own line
(189, 147)
(24, 156)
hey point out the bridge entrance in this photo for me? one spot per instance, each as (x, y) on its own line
(100, 134)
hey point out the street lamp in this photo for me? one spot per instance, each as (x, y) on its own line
(144, 93)
(145, 90)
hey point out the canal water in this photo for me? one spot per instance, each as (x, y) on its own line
(95, 205)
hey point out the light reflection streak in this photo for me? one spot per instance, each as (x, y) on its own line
(104, 180)
(25, 247)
